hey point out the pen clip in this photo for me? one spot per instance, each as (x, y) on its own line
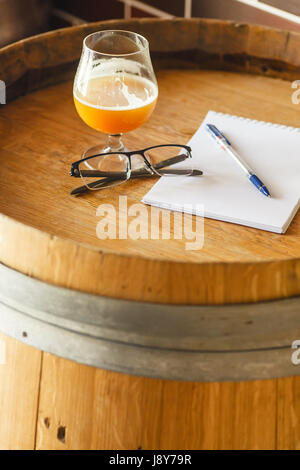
(214, 131)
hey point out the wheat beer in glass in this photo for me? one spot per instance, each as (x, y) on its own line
(115, 89)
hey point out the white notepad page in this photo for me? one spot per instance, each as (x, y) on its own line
(272, 151)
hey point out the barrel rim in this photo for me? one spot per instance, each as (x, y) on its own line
(141, 21)
(287, 264)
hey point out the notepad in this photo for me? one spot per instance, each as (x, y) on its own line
(272, 151)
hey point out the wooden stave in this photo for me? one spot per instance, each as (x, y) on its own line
(236, 46)
(289, 269)
(120, 411)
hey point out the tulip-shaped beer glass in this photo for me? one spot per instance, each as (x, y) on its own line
(115, 89)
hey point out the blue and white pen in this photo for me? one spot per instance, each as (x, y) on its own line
(226, 145)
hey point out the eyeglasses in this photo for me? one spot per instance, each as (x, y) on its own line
(110, 169)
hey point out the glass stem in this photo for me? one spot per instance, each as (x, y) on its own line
(115, 143)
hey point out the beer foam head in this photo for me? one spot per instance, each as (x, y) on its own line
(104, 67)
(115, 83)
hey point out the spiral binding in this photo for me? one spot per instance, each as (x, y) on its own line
(262, 123)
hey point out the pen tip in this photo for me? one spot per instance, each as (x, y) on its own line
(265, 191)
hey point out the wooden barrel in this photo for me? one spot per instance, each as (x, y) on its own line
(141, 343)
(20, 19)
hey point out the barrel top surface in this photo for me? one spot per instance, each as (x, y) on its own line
(52, 136)
(41, 135)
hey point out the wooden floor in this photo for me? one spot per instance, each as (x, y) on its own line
(51, 403)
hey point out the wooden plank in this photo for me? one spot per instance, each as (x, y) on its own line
(105, 410)
(85, 408)
(19, 391)
(288, 433)
(218, 416)
(97, 409)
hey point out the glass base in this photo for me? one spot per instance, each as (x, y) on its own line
(98, 149)
(113, 145)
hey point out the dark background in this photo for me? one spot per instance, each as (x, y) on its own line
(22, 18)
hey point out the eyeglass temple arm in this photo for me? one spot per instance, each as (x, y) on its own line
(140, 172)
(100, 183)
(134, 174)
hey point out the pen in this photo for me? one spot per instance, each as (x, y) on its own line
(226, 145)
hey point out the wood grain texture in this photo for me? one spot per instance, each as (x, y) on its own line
(43, 215)
(48, 235)
(99, 409)
(19, 390)
(288, 414)
(202, 42)
(42, 135)
(80, 407)
(105, 410)
(219, 416)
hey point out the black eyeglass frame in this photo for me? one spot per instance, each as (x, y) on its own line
(75, 166)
